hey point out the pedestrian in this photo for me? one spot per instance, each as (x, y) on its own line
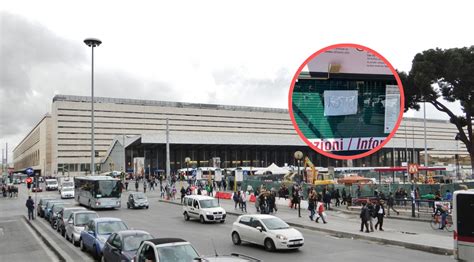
(199, 190)
(30, 204)
(235, 197)
(126, 185)
(448, 196)
(443, 212)
(173, 191)
(380, 212)
(183, 193)
(152, 185)
(364, 218)
(294, 196)
(321, 213)
(144, 185)
(344, 196)
(327, 200)
(136, 185)
(390, 203)
(243, 199)
(257, 202)
(372, 215)
(337, 195)
(312, 205)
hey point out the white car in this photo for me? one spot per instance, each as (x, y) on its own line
(51, 184)
(204, 208)
(67, 192)
(266, 230)
(76, 223)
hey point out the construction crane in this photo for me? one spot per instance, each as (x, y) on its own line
(313, 176)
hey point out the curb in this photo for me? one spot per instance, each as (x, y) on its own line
(425, 248)
(386, 217)
(46, 241)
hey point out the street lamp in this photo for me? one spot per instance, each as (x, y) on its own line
(298, 156)
(92, 42)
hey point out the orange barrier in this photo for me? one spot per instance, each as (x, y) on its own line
(223, 195)
(252, 198)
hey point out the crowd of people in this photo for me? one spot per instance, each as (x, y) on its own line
(10, 191)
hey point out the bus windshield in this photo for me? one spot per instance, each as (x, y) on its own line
(108, 188)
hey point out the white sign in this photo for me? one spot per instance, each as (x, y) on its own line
(347, 144)
(239, 175)
(199, 174)
(340, 102)
(392, 107)
(218, 175)
(348, 60)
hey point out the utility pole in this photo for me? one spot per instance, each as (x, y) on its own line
(167, 149)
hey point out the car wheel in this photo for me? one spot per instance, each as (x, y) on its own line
(222, 221)
(201, 219)
(81, 244)
(269, 245)
(186, 216)
(67, 238)
(236, 238)
(146, 207)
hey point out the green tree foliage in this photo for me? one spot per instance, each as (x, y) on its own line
(447, 74)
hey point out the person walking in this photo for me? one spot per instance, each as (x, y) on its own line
(380, 212)
(126, 185)
(243, 200)
(364, 218)
(321, 213)
(390, 204)
(136, 185)
(183, 193)
(327, 200)
(344, 196)
(30, 204)
(144, 185)
(312, 205)
(337, 195)
(236, 198)
(372, 215)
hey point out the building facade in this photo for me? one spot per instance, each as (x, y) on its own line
(238, 135)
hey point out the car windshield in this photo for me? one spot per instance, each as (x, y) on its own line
(68, 189)
(108, 188)
(208, 203)
(275, 223)
(68, 184)
(51, 182)
(139, 195)
(56, 207)
(83, 218)
(67, 212)
(51, 203)
(105, 228)
(178, 253)
(132, 242)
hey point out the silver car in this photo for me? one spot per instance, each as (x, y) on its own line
(76, 223)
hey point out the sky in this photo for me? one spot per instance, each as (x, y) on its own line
(222, 52)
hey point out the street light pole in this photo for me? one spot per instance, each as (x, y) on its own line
(92, 42)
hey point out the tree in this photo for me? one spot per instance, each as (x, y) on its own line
(447, 74)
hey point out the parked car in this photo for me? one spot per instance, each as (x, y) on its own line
(67, 192)
(63, 216)
(51, 184)
(123, 245)
(36, 188)
(53, 217)
(233, 257)
(42, 205)
(269, 231)
(137, 200)
(48, 208)
(166, 249)
(97, 231)
(204, 208)
(76, 223)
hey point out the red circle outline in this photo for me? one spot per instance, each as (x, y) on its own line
(373, 150)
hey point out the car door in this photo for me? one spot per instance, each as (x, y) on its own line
(69, 225)
(116, 252)
(146, 253)
(89, 235)
(255, 234)
(110, 252)
(195, 209)
(244, 228)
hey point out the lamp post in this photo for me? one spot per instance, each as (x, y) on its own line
(187, 160)
(92, 42)
(298, 156)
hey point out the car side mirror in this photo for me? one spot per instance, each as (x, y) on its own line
(70, 222)
(259, 228)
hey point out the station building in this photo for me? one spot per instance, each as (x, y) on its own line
(125, 129)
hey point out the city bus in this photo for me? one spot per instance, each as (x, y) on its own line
(98, 191)
(463, 217)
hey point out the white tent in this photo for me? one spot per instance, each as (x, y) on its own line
(273, 169)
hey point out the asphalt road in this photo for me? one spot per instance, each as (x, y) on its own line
(165, 220)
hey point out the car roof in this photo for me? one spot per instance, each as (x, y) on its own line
(75, 207)
(259, 216)
(106, 219)
(84, 212)
(160, 241)
(130, 232)
(200, 197)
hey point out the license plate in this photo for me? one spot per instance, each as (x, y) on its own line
(297, 242)
(218, 217)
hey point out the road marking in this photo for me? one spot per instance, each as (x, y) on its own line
(45, 248)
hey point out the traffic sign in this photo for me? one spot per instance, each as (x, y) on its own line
(412, 168)
(30, 171)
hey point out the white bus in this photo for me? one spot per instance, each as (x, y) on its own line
(98, 191)
(463, 217)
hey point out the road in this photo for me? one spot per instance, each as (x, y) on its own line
(165, 220)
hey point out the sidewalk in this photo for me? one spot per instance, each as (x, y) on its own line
(409, 234)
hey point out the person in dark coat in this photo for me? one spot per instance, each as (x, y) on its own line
(344, 196)
(30, 204)
(327, 200)
(136, 185)
(364, 218)
(183, 193)
(337, 196)
(380, 213)
(372, 215)
(391, 203)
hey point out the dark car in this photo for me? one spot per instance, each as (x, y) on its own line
(137, 200)
(53, 216)
(48, 207)
(63, 216)
(123, 245)
(42, 205)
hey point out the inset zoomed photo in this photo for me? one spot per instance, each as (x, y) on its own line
(346, 101)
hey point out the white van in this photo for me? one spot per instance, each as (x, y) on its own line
(204, 208)
(51, 184)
